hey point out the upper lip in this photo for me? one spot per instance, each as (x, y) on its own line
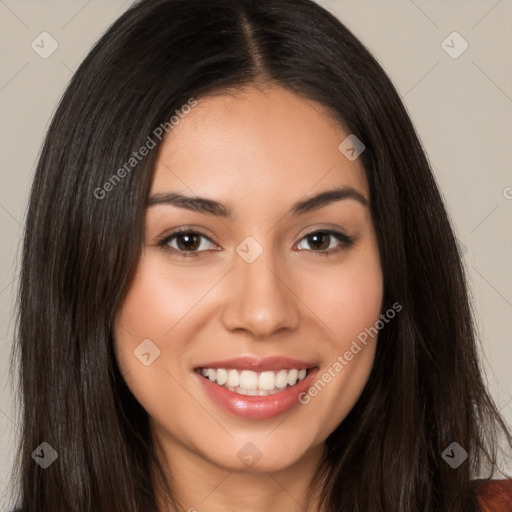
(258, 364)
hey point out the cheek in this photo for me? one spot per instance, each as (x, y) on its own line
(160, 296)
(144, 326)
(348, 301)
(151, 311)
(348, 297)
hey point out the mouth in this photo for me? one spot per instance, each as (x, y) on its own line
(256, 388)
(251, 383)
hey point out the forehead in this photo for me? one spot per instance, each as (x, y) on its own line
(267, 144)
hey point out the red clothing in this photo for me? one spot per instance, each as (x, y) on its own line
(495, 495)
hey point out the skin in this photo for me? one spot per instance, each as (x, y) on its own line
(257, 151)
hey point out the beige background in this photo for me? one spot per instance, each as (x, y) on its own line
(462, 109)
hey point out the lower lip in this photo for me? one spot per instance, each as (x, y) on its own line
(257, 407)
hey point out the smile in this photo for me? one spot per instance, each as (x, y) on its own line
(251, 383)
(254, 388)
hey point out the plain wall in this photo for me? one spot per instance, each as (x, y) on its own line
(461, 107)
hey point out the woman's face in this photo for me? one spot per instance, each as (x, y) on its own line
(256, 290)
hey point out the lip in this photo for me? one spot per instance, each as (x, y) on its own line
(257, 407)
(273, 363)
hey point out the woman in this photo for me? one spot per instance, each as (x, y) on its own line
(240, 287)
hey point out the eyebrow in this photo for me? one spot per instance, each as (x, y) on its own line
(209, 206)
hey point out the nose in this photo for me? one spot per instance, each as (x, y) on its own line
(261, 298)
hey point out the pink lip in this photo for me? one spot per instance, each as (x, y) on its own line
(257, 407)
(273, 363)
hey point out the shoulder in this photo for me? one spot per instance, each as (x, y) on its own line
(494, 495)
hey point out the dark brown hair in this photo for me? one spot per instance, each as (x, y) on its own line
(80, 252)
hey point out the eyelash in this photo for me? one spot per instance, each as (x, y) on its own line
(346, 242)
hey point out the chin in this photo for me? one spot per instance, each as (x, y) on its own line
(258, 456)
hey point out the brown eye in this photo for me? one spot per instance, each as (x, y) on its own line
(327, 241)
(186, 243)
(319, 240)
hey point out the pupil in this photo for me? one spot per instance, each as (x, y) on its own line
(316, 237)
(190, 242)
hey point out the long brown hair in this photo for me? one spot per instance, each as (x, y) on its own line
(81, 248)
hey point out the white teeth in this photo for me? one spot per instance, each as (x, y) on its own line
(281, 379)
(247, 382)
(267, 381)
(292, 377)
(233, 378)
(222, 376)
(248, 379)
